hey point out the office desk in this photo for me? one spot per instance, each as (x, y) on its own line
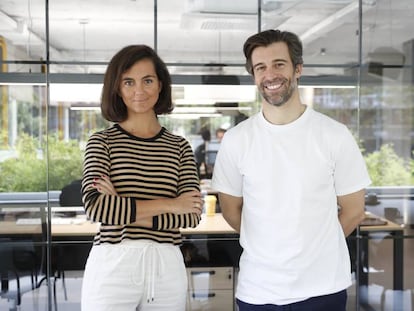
(27, 228)
(212, 242)
(67, 228)
(217, 225)
(210, 228)
(396, 231)
(214, 224)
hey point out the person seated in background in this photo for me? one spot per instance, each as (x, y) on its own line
(220, 133)
(204, 171)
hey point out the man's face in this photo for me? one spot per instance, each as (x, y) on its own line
(219, 135)
(274, 74)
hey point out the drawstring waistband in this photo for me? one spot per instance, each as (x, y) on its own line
(152, 267)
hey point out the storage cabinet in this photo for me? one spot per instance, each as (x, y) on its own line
(210, 289)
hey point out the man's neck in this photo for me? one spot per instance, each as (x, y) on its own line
(285, 114)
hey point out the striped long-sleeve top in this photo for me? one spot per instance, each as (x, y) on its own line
(139, 169)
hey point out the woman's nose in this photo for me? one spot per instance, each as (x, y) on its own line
(138, 88)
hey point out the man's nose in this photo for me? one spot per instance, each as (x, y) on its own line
(272, 71)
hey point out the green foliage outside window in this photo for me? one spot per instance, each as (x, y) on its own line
(54, 167)
(386, 168)
(35, 170)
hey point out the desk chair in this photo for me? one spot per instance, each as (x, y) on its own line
(26, 255)
(56, 270)
(18, 274)
(71, 194)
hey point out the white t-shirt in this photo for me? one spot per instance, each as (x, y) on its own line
(289, 177)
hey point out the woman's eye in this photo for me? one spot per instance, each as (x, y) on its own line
(148, 81)
(128, 83)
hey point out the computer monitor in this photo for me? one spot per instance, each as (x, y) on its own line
(211, 152)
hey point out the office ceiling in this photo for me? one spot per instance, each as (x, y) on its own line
(207, 31)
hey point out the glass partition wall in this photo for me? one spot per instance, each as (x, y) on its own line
(358, 69)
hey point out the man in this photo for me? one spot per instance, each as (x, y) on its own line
(291, 181)
(220, 133)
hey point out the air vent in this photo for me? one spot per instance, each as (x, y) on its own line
(218, 21)
(222, 21)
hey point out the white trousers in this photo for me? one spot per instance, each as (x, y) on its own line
(134, 275)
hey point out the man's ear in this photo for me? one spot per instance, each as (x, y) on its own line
(298, 70)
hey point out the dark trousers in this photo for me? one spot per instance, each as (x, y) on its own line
(332, 302)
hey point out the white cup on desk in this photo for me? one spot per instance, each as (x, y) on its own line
(210, 204)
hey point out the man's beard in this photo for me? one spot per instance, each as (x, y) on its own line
(279, 99)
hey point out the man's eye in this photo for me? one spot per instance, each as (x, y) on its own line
(260, 69)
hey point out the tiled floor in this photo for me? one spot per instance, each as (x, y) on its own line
(379, 294)
(379, 298)
(37, 300)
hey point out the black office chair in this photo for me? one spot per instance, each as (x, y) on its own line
(56, 270)
(71, 194)
(18, 273)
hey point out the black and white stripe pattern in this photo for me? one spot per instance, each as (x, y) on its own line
(143, 169)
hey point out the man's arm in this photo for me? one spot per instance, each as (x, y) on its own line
(352, 210)
(231, 208)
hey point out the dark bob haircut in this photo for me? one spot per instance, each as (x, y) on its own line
(267, 37)
(112, 106)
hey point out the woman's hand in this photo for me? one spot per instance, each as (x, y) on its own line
(104, 185)
(188, 202)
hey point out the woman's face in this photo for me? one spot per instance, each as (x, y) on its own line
(140, 87)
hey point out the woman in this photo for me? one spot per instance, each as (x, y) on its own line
(140, 182)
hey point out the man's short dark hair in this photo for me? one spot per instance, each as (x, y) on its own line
(267, 37)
